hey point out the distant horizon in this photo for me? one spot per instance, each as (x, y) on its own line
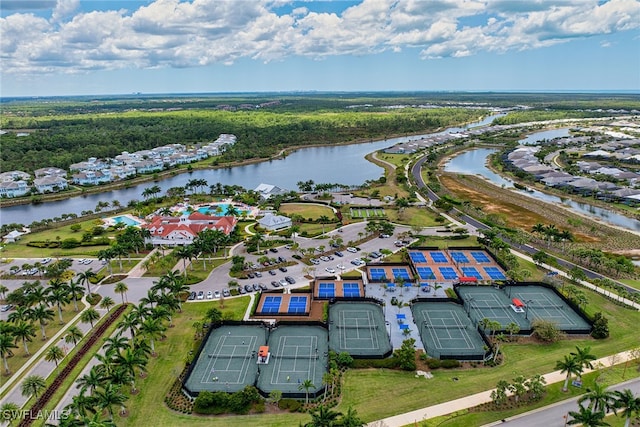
(312, 92)
(154, 47)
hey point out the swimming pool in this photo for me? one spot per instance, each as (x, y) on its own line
(126, 220)
(220, 209)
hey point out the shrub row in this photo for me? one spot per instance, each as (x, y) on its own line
(62, 376)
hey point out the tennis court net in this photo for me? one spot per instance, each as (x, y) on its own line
(446, 326)
(299, 356)
(357, 326)
(555, 307)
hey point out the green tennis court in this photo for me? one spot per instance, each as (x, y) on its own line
(297, 354)
(358, 328)
(487, 302)
(227, 360)
(447, 332)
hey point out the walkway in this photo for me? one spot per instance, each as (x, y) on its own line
(409, 418)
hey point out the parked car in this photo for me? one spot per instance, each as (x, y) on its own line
(6, 307)
(281, 259)
(340, 267)
(290, 279)
(339, 254)
(192, 296)
(283, 282)
(274, 250)
(324, 258)
(256, 287)
(375, 255)
(384, 236)
(275, 284)
(248, 288)
(242, 290)
(330, 270)
(226, 293)
(200, 295)
(314, 261)
(258, 274)
(263, 286)
(272, 272)
(209, 295)
(352, 249)
(283, 269)
(251, 275)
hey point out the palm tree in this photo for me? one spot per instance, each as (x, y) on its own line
(571, 366)
(113, 345)
(627, 400)
(323, 417)
(59, 296)
(600, 399)
(9, 411)
(131, 361)
(80, 405)
(32, 385)
(54, 354)
(3, 291)
(107, 302)
(184, 253)
(6, 344)
(42, 314)
(129, 321)
(20, 314)
(90, 381)
(587, 417)
(76, 291)
(152, 329)
(90, 315)
(351, 419)
(24, 331)
(85, 278)
(73, 335)
(121, 288)
(584, 357)
(306, 385)
(108, 396)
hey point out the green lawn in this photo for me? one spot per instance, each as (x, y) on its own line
(149, 403)
(20, 358)
(398, 160)
(606, 376)
(413, 216)
(364, 389)
(306, 210)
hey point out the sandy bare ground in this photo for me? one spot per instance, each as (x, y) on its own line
(519, 211)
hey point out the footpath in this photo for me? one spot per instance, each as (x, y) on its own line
(410, 418)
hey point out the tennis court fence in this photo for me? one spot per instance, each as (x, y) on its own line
(447, 326)
(293, 357)
(356, 327)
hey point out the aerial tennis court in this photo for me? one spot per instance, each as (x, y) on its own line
(448, 273)
(417, 257)
(487, 302)
(358, 328)
(425, 273)
(297, 354)
(471, 272)
(494, 273)
(544, 303)
(329, 289)
(480, 257)
(401, 273)
(438, 257)
(459, 257)
(377, 274)
(226, 361)
(447, 332)
(283, 304)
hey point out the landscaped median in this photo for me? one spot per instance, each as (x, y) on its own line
(92, 339)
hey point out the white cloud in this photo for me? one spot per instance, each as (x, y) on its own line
(178, 33)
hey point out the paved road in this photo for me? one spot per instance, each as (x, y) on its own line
(554, 415)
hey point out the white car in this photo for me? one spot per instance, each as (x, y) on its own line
(330, 270)
(209, 295)
(216, 294)
(340, 267)
(352, 249)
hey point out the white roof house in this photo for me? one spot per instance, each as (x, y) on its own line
(268, 190)
(273, 222)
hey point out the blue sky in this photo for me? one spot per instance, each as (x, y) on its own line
(76, 47)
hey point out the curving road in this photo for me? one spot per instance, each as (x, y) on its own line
(527, 249)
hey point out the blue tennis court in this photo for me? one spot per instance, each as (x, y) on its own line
(438, 256)
(326, 290)
(351, 290)
(298, 305)
(400, 273)
(448, 273)
(494, 273)
(459, 257)
(271, 304)
(471, 272)
(377, 274)
(426, 273)
(417, 257)
(480, 257)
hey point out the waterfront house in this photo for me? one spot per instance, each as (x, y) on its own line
(9, 189)
(50, 184)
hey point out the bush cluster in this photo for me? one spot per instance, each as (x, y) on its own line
(175, 399)
(220, 402)
(446, 364)
(290, 405)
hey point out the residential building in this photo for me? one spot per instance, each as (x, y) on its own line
(179, 231)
